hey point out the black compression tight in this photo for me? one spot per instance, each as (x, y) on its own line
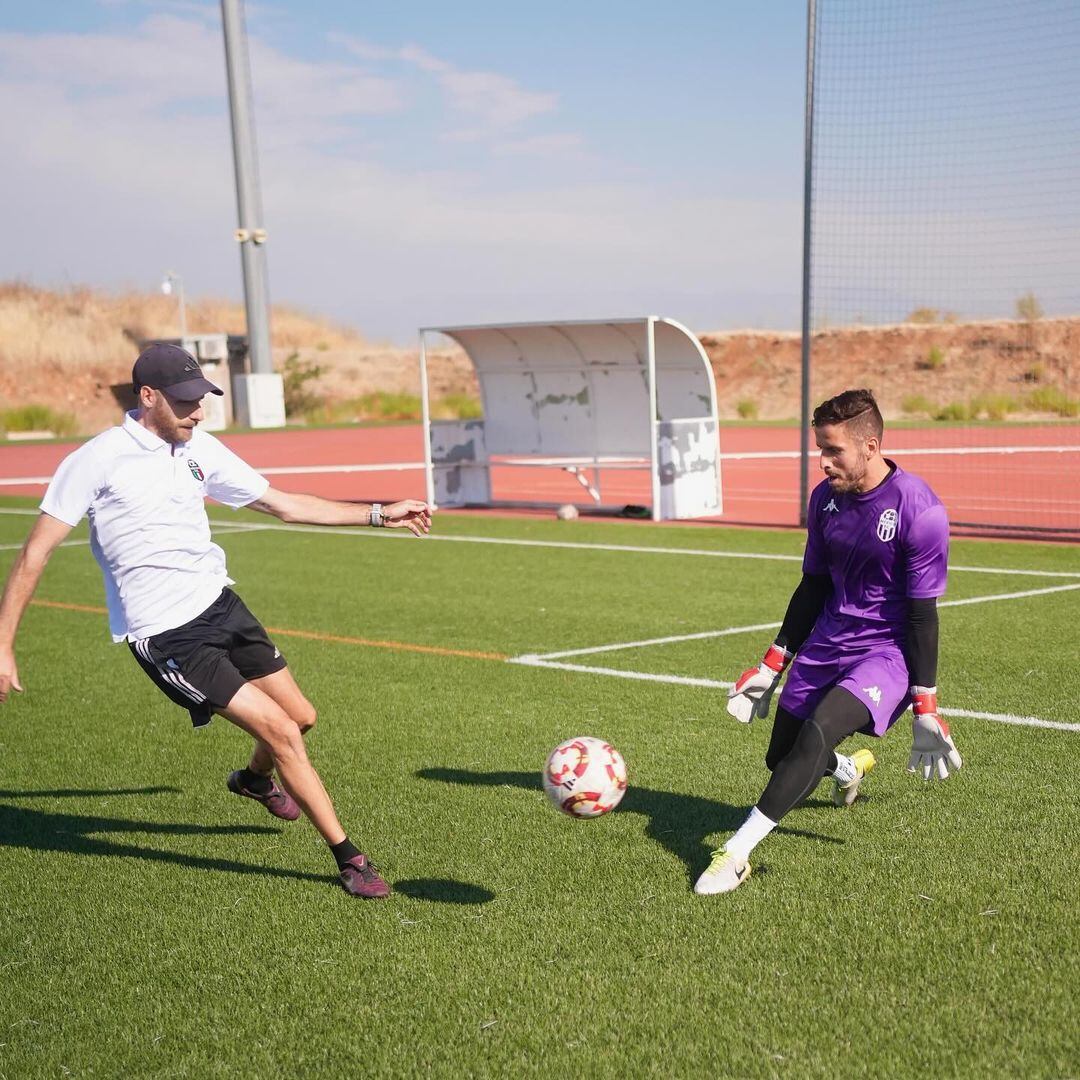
(802, 751)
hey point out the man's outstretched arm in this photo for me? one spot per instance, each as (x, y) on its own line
(43, 540)
(753, 690)
(933, 751)
(299, 509)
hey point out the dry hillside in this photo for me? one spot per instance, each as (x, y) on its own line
(65, 349)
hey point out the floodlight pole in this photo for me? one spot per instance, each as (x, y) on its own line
(808, 190)
(250, 234)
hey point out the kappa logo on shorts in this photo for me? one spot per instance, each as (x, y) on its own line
(873, 693)
(196, 471)
(886, 526)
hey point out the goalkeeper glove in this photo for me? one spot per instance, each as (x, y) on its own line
(753, 690)
(932, 749)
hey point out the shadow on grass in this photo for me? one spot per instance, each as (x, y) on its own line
(444, 890)
(77, 834)
(679, 822)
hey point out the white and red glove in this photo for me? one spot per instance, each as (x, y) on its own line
(932, 749)
(750, 696)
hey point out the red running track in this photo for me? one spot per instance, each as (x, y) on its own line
(989, 477)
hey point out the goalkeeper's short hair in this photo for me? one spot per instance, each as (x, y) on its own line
(855, 408)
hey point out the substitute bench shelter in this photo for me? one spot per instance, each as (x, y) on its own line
(586, 397)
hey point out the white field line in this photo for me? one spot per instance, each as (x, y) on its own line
(530, 660)
(700, 636)
(704, 634)
(682, 680)
(714, 684)
(65, 543)
(361, 533)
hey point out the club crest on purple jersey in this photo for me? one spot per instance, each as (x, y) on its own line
(886, 526)
(198, 474)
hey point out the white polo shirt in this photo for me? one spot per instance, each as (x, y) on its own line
(148, 526)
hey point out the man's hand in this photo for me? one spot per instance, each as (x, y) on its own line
(753, 690)
(932, 749)
(9, 673)
(408, 514)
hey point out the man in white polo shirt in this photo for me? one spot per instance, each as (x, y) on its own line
(142, 485)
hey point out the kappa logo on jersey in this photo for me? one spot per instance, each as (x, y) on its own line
(831, 505)
(196, 471)
(873, 693)
(886, 526)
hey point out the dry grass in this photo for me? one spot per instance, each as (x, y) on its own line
(67, 348)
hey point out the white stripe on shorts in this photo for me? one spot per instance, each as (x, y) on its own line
(142, 647)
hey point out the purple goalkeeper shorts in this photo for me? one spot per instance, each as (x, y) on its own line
(877, 676)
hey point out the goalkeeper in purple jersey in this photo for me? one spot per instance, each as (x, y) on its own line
(860, 633)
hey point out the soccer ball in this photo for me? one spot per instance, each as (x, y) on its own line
(585, 777)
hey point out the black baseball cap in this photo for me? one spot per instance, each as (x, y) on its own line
(168, 367)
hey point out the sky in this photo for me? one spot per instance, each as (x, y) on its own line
(422, 163)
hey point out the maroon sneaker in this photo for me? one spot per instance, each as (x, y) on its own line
(277, 800)
(360, 878)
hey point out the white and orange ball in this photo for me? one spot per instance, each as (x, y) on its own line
(585, 777)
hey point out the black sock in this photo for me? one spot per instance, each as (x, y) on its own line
(344, 851)
(253, 781)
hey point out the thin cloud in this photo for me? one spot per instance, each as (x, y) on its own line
(493, 104)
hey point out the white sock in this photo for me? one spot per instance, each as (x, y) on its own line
(845, 770)
(751, 832)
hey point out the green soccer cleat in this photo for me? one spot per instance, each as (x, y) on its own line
(724, 874)
(846, 794)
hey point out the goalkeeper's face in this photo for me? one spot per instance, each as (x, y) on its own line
(845, 457)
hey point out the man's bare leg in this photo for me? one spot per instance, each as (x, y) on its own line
(283, 688)
(278, 738)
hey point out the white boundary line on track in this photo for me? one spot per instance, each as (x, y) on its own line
(568, 545)
(762, 455)
(748, 455)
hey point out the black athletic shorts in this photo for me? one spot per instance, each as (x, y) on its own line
(202, 664)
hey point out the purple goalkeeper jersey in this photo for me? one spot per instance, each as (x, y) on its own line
(881, 549)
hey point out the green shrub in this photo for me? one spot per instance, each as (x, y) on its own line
(456, 407)
(38, 418)
(747, 409)
(995, 406)
(1052, 399)
(955, 410)
(300, 399)
(923, 315)
(381, 405)
(917, 405)
(1028, 307)
(935, 359)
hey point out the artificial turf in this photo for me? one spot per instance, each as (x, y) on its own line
(154, 925)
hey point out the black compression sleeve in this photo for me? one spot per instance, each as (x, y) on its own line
(806, 604)
(922, 642)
